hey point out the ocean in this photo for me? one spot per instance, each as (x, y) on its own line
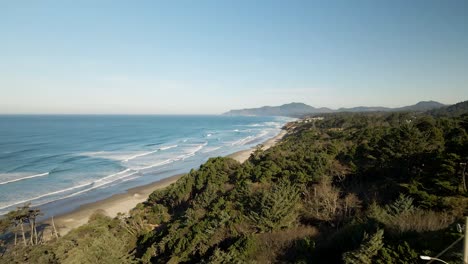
(59, 162)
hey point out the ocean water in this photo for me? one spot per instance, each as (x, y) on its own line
(61, 162)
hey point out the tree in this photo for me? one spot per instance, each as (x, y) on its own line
(22, 217)
(368, 249)
(275, 208)
(32, 215)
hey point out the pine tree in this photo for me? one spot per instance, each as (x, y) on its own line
(368, 249)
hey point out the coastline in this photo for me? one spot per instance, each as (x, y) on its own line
(124, 202)
(243, 155)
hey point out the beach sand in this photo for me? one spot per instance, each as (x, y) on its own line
(243, 155)
(124, 202)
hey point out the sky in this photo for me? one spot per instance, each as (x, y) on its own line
(207, 57)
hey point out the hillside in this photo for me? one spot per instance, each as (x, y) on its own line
(300, 109)
(452, 110)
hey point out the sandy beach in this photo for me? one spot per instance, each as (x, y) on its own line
(124, 202)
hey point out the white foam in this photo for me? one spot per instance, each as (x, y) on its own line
(211, 149)
(25, 178)
(199, 147)
(129, 179)
(273, 124)
(88, 189)
(181, 157)
(112, 175)
(124, 156)
(95, 184)
(140, 155)
(249, 139)
(47, 194)
(110, 155)
(241, 141)
(158, 164)
(168, 147)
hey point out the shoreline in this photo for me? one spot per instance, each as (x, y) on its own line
(124, 202)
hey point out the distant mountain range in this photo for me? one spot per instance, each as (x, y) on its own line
(301, 109)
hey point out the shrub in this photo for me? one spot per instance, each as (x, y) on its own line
(401, 216)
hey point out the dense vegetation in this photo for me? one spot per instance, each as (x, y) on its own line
(351, 188)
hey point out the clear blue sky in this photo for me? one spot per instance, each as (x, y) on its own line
(206, 57)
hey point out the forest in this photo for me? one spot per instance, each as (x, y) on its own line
(342, 188)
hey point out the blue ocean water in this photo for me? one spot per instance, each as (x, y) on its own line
(63, 161)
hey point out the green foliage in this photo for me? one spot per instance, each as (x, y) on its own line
(100, 241)
(368, 249)
(274, 208)
(105, 248)
(238, 252)
(399, 254)
(404, 204)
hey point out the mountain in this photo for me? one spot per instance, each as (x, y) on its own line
(451, 110)
(301, 109)
(421, 106)
(292, 109)
(359, 109)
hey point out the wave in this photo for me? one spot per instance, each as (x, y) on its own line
(88, 189)
(249, 139)
(208, 150)
(112, 175)
(129, 179)
(272, 123)
(140, 155)
(25, 178)
(58, 169)
(241, 141)
(73, 159)
(158, 164)
(257, 137)
(199, 147)
(150, 152)
(45, 157)
(94, 184)
(23, 151)
(154, 144)
(168, 147)
(181, 157)
(47, 194)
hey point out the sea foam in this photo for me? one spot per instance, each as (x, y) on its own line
(25, 178)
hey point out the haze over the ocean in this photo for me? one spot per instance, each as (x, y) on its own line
(206, 57)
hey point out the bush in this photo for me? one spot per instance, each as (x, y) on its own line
(401, 216)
